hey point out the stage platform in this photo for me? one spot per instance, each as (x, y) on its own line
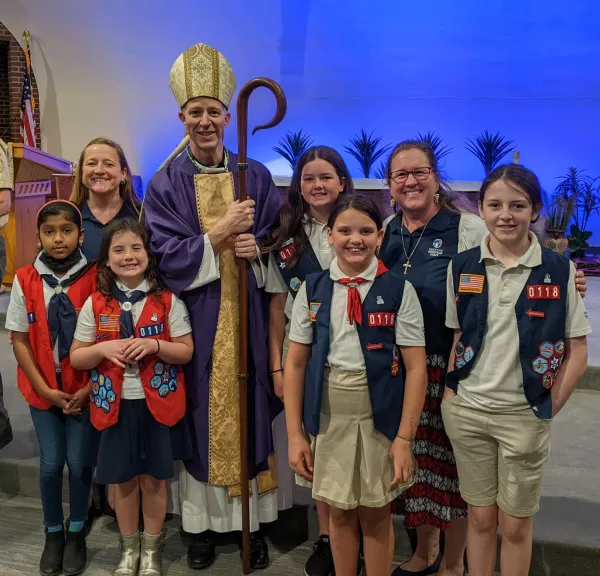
(566, 531)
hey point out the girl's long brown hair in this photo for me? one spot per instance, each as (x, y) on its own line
(80, 193)
(106, 276)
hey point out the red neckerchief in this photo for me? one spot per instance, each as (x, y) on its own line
(354, 306)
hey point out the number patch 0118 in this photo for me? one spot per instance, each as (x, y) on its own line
(381, 318)
(543, 292)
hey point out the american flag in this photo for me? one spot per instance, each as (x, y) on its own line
(28, 128)
(109, 322)
(471, 283)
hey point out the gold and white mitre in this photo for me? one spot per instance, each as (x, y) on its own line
(5, 180)
(201, 71)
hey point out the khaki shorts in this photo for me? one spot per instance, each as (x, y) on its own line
(500, 458)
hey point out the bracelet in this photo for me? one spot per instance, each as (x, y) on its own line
(275, 371)
(403, 438)
(158, 345)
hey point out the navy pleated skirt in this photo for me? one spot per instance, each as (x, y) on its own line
(137, 444)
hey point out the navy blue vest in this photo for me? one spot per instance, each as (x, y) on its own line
(306, 264)
(428, 270)
(378, 343)
(541, 319)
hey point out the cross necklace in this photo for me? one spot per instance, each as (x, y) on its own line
(407, 264)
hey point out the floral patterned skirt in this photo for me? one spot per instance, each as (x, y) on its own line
(434, 498)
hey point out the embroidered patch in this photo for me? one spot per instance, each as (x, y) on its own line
(313, 309)
(437, 248)
(459, 349)
(540, 365)
(468, 354)
(548, 380)
(380, 300)
(395, 360)
(559, 347)
(101, 394)
(154, 317)
(295, 284)
(472, 283)
(108, 322)
(459, 362)
(164, 379)
(287, 253)
(543, 292)
(546, 349)
(30, 315)
(374, 347)
(380, 318)
(152, 330)
(547, 279)
(535, 313)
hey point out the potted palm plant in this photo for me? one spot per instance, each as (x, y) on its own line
(558, 210)
(489, 149)
(439, 149)
(292, 146)
(366, 150)
(585, 192)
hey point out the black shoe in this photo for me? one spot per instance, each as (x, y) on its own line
(259, 552)
(201, 554)
(75, 554)
(433, 569)
(320, 562)
(52, 557)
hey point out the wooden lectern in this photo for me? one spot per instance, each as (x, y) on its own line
(34, 185)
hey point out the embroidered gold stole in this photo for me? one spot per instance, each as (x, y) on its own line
(214, 194)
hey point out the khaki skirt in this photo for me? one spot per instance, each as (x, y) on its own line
(352, 462)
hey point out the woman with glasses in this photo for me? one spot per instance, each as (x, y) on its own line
(420, 241)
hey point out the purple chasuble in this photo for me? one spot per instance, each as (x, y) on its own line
(177, 241)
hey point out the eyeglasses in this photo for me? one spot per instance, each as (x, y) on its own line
(420, 174)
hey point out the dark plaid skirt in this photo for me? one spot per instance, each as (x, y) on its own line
(434, 499)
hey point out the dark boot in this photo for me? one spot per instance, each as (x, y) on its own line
(75, 555)
(201, 553)
(320, 562)
(51, 561)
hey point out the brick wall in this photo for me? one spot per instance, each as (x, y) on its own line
(12, 59)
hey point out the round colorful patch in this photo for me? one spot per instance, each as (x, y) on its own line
(437, 243)
(295, 284)
(459, 349)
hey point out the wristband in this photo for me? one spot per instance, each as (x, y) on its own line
(158, 345)
(403, 438)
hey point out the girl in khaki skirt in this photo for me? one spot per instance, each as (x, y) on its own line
(345, 389)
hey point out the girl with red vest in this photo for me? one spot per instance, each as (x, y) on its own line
(133, 336)
(519, 352)
(345, 386)
(42, 314)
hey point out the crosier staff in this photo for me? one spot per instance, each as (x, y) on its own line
(242, 129)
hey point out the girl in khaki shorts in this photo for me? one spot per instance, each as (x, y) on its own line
(344, 387)
(519, 351)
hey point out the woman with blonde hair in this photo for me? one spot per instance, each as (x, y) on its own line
(103, 191)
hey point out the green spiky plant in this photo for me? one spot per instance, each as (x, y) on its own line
(292, 146)
(440, 150)
(381, 171)
(584, 192)
(366, 150)
(489, 149)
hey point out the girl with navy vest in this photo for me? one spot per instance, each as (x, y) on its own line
(299, 247)
(352, 327)
(133, 336)
(45, 299)
(519, 351)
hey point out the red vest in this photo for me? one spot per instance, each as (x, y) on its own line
(39, 334)
(163, 383)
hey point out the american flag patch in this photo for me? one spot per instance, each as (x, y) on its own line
(472, 283)
(109, 322)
